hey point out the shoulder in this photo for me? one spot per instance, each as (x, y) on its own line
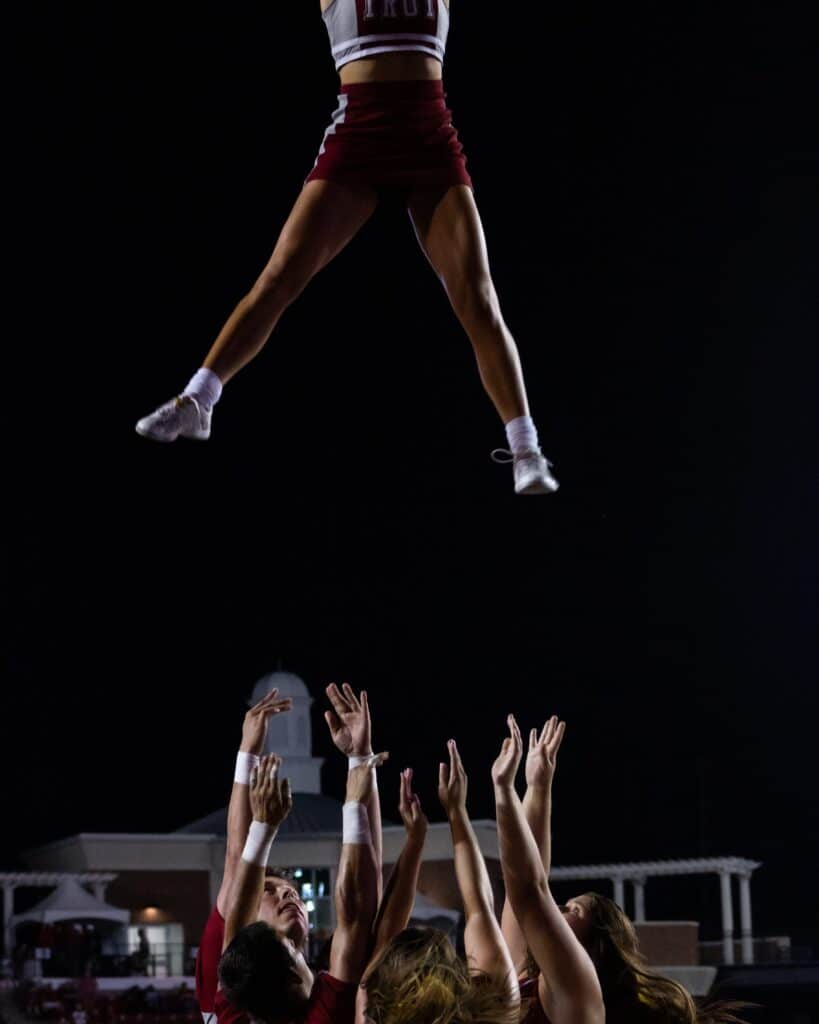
(332, 1001)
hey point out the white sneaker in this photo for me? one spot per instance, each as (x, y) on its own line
(532, 471)
(183, 416)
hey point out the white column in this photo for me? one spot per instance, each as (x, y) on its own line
(8, 913)
(619, 892)
(99, 890)
(727, 917)
(745, 918)
(639, 898)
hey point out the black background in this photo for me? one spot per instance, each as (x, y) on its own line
(648, 184)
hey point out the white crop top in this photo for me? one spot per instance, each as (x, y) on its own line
(363, 28)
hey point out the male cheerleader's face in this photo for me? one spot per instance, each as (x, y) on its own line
(576, 913)
(283, 910)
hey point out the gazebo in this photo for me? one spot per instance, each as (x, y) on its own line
(639, 872)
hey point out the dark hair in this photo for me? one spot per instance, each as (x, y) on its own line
(632, 992)
(257, 975)
(419, 979)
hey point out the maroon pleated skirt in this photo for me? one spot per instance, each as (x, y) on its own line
(392, 135)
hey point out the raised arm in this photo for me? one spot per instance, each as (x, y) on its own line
(254, 732)
(270, 802)
(396, 904)
(356, 895)
(351, 730)
(566, 968)
(541, 761)
(486, 950)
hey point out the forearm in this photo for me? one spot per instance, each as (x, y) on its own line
(399, 895)
(373, 805)
(537, 809)
(470, 868)
(356, 902)
(561, 958)
(519, 853)
(356, 896)
(245, 897)
(239, 817)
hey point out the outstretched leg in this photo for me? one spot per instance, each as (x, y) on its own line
(449, 230)
(324, 218)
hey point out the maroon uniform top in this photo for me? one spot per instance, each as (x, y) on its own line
(207, 962)
(331, 1001)
(535, 1014)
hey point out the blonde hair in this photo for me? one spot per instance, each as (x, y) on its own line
(420, 979)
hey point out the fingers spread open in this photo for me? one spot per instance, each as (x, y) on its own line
(350, 696)
(339, 702)
(557, 738)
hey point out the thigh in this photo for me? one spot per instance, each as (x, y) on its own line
(324, 218)
(449, 230)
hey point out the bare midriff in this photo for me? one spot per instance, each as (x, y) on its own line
(391, 67)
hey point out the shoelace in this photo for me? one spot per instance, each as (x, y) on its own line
(504, 456)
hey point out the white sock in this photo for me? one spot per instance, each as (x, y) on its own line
(521, 434)
(205, 387)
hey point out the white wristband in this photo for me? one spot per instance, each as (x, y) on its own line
(356, 824)
(244, 763)
(260, 838)
(359, 759)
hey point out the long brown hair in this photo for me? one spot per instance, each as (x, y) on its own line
(420, 979)
(631, 992)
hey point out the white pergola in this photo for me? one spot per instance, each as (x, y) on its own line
(639, 872)
(11, 880)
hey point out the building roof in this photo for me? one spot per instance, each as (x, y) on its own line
(312, 813)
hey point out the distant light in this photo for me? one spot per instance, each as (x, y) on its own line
(310, 906)
(298, 873)
(152, 913)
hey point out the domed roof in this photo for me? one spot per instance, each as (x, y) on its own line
(287, 683)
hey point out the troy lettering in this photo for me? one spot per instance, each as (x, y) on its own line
(389, 9)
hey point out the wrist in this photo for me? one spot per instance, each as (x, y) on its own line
(355, 823)
(260, 838)
(246, 761)
(504, 792)
(357, 758)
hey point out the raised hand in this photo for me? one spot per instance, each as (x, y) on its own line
(507, 762)
(541, 759)
(452, 782)
(254, 727)
(360, 780)
(349, 721)
(270, 796)
(409, 807)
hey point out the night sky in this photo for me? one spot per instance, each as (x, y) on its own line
(649, 186)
